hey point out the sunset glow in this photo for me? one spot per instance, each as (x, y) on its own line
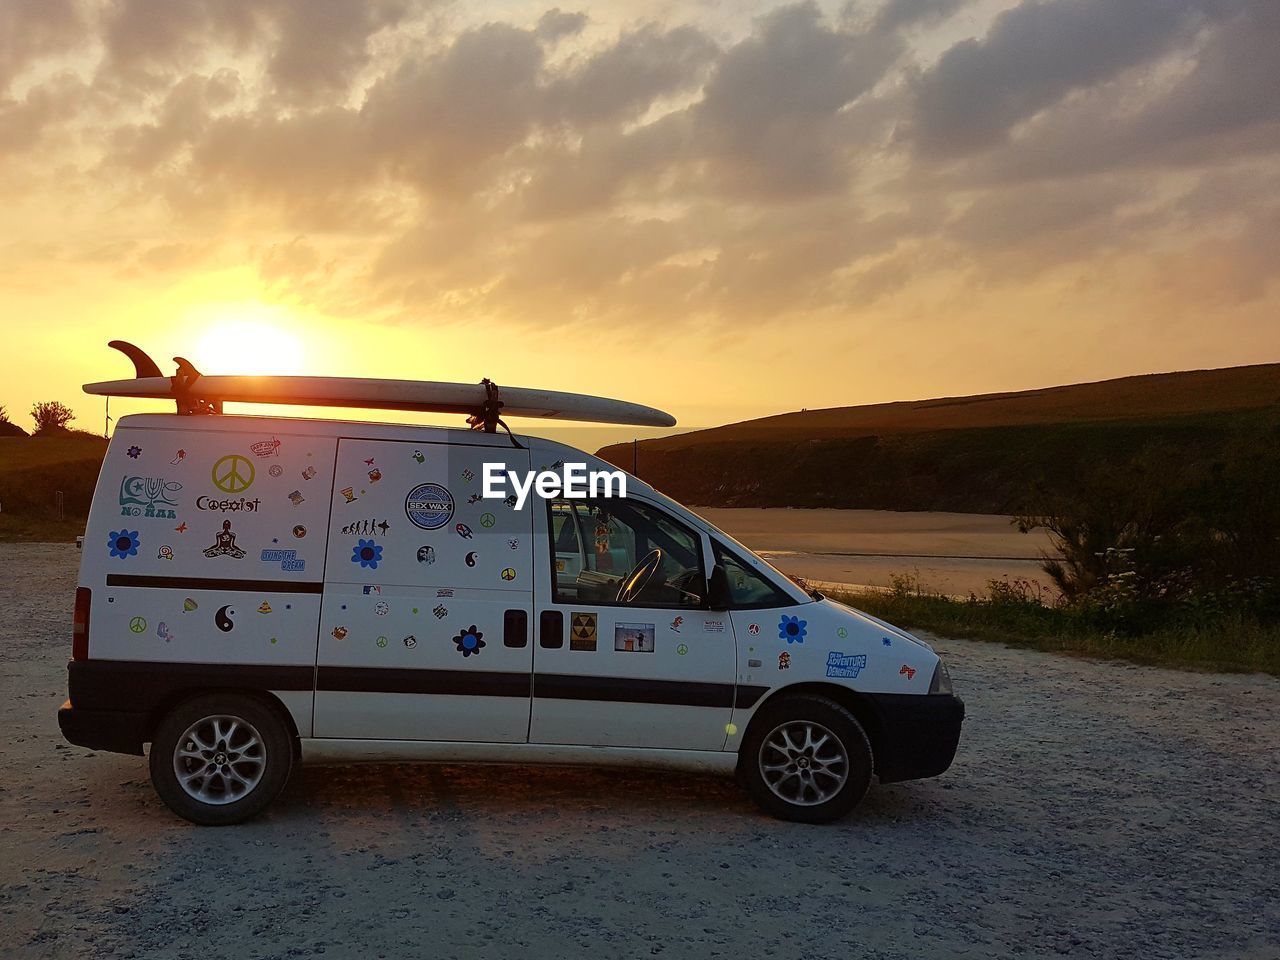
(247, 339)
(724, 212)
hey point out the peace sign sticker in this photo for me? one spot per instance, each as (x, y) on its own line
(137, 624)
(233, 474)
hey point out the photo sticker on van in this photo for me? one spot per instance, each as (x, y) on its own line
(633, 637)
(429, 506)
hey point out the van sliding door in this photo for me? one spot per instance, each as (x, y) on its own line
(425, 630)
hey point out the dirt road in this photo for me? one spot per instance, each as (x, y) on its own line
(1094, 809)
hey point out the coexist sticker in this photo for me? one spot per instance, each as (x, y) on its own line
(429, 506)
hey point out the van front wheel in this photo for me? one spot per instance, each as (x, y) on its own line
(220, 759)
(807, 759)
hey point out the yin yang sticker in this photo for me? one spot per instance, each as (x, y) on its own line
(222, 619)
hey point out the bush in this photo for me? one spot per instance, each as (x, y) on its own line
(51, 417)
(1161, 539)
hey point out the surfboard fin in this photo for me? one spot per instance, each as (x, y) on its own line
(143, 365)
(184, 382)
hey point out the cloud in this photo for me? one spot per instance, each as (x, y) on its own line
(901, 14)
(771, 123)
(542, 167)
(437, 119)
(34, 29)
(183, 117)
(556, 24)
(626, 77)
(156, 37)
(1218, 103)
(324, 42)
(1034, 55)
(769, 115)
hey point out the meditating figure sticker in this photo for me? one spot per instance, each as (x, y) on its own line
(224, 544)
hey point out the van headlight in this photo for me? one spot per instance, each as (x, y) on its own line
(941, 682)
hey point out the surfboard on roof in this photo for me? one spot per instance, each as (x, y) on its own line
(482, 402)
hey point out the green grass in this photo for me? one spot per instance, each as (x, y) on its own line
(1233, 642)
(33, 470)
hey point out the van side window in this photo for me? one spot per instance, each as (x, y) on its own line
(747, 588)
(597, 543)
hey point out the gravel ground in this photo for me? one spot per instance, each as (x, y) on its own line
(1097, 809)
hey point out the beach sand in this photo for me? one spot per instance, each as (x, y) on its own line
(950, 553)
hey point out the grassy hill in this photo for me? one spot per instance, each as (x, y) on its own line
(33, 470)
(974, 454)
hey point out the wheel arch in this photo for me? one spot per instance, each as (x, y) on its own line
(265, 697)
(856, 703)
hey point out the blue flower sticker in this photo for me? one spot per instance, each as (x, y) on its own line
(886, 641)
(791, 629)
(366, 553)
(123, 543)
(469, 641)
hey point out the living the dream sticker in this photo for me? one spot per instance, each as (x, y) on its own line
(288, 560)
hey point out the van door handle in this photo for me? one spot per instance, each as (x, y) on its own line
(515, 628)
(551, 629)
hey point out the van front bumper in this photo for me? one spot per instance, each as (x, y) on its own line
(113, 730)
(918, 734)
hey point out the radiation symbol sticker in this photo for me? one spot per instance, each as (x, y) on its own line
(582, 631)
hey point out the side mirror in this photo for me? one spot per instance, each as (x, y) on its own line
(718, 597)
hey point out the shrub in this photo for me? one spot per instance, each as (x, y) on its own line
(1158, 538)
(51, 417)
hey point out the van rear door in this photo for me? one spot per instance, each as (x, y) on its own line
(424, 629)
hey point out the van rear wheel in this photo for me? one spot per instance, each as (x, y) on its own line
(807, 759)
(220, 759)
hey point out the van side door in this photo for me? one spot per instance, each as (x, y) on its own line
(425, 622)
(648, 666)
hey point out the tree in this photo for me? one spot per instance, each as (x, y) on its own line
(51, 417)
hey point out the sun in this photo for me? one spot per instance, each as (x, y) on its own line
(251, 339)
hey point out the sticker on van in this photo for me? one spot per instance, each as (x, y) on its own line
(633, 637)
(429, 506)
(845, 665)
(148, 496)
(224, 544)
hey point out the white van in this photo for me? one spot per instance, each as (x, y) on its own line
(258, 591)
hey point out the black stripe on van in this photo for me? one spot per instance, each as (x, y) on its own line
(461, 683)
(214, 583)
(631, 690)
(141, 685)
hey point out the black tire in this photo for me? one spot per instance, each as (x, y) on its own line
(812, 804)
(245, 783)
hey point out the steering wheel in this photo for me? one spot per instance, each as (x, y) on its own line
(639, 578)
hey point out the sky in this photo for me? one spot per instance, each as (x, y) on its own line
(720, 209)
